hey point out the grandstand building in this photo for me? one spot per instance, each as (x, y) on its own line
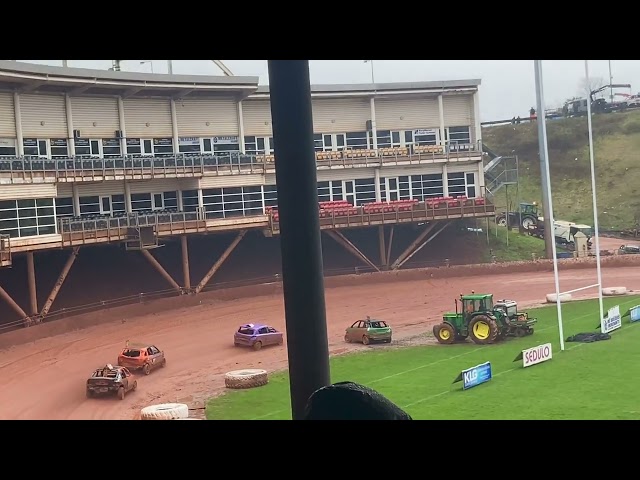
(93, 157)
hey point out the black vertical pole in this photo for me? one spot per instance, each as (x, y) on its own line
(302, 273)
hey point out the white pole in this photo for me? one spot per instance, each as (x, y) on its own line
(170, 67)
(593, 194)
(544, 153)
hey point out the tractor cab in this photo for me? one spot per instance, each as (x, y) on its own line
(476, 303)
(529, 209)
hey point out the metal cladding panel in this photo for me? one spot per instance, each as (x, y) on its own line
(348, 174)
(458, 110)
(115, 187)
(341, 115)
(43, 116)
(407, 113)
(464, 167)
(95, 117)
(404, 171)
(232, 181)
(7, 116)
(138, 112)
(64, 190)
(157, 186)
(19, 192)
(207, 117)
(256, 118)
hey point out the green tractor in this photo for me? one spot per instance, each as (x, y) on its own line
(484, 321)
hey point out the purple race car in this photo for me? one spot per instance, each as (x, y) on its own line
(256, 336)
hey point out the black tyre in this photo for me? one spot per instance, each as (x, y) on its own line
(366, 340)
(444, 333)
(520, 332)
(146, 369)
(483, 330)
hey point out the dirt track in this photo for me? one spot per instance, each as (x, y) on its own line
(45, 379)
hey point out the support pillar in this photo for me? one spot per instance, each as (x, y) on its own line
(393, 229)
(12, 303)
(127, 197)
(216, 266)
(241, 127)
(350, 247)
(174, 127)
(31, 279)
(160, 269)
(441, 117)
(376, 177)
(413, 245)
(383, 256)
(71, 141)
(58, 285)
(185, 262)
(302, 270)
(374, 128)
(18, 120)
(75, 194)
(421, 246)
(123, 129)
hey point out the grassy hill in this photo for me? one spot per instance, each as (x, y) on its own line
(617, 157)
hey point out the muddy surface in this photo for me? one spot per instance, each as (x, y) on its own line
(44, 379)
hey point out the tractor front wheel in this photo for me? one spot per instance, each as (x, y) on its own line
(483, 330)
(444, 333)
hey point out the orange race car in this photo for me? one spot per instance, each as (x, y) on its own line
(141, 356)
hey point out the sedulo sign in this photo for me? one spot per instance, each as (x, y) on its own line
(534, 355)
(612, 321)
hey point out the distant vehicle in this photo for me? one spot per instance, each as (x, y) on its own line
(256, 336)
(629, 250)
(110, 380)
(142, 356)
(367, 331)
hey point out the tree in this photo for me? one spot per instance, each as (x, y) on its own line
(594, 83)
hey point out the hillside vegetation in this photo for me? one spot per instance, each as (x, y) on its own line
(617, 158)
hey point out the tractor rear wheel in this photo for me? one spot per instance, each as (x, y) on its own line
(483, 330)
(520, 332)
(444, 333)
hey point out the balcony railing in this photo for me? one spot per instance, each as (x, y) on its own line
(29, 169)
(5, 250)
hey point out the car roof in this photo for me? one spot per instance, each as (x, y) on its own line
(254, 325)
(477, 296)
(137, 346)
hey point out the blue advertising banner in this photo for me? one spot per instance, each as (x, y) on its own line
(635, 313)
(477, 375)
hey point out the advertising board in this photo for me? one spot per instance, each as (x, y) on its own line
(634, 313)
(534, 355)
(475, 376)
(612, 321)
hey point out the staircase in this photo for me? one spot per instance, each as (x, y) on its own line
(499, 171)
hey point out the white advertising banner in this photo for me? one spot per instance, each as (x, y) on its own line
(612, 321)
(535, 355)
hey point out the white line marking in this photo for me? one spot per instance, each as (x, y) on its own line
(451, 358)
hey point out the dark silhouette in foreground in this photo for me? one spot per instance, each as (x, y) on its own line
(351, 401)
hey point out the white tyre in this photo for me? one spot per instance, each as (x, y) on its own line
(247, 378)
(614, 291)
(564, 297)
(165, 411)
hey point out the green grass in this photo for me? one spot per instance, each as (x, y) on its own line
(511, 246)
(616, 143)
(586, 381)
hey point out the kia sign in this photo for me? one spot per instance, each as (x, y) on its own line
(612, 321)
(475, 376)
(535, 355)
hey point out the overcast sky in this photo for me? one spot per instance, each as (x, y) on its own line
(507, 88)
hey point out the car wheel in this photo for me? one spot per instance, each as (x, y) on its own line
(121, 393)
(135, 385)
(257, 345)
(146, 369)
(347, 339)
(164, 363)
(365, 340)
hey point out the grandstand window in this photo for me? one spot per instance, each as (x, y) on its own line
(35, 147)
(462, 184)
(357, 140)
(426, 186)
(317, 141)
(365, 190)
(118, 204)
(140, 201)
(226, 144)
(324, 192)
(111, 147)
(144, 146)
(270, 194)
(7, 147)
(424, 136)
(190, 200)
(134, 146)
(459, 135)
(59, 148)
(90, 205)
(87, 147)
(383, 189)
(395, 138)
(162, 146)
(232, 201)
(384, 138)
(255, 145)
(191, 144)
(405, 188)
(163, 200)
(64, 207)
(27, 218)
